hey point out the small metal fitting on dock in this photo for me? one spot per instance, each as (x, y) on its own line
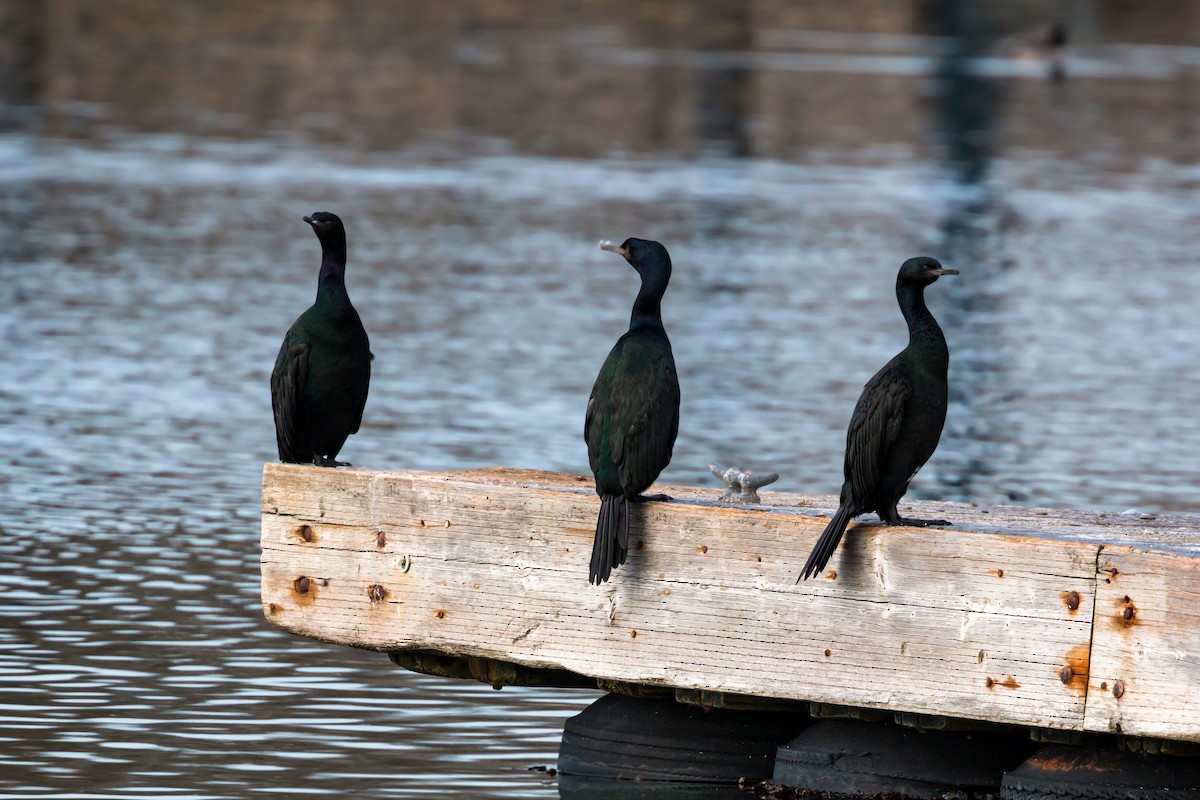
(742, 487)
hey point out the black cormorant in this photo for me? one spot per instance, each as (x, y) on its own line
(898, 419)
(633, 411)
(319, 384)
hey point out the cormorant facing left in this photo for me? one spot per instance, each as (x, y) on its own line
(633, 411)
(898, 420)
(319, 384)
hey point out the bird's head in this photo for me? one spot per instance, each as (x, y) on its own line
(922, 271)
(324, 224)
(646, 256)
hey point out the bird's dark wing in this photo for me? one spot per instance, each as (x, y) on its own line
(874, 427)
(647, 421)
(287, 383)
(358, 413)
(633, 415)
(591, 430)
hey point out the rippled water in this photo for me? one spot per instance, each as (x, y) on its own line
(151, 267)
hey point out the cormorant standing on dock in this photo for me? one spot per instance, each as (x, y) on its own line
(319, 384)
(633, 411)
(898, 420)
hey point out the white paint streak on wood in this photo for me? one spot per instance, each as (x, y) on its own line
(971, 621)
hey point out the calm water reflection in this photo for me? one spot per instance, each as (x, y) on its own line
(153, 173)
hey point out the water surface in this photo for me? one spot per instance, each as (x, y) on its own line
(789, 158)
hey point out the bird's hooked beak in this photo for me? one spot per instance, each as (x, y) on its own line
(944, 271)
(307, 219)
(605, 244)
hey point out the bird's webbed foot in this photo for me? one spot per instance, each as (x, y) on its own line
(919, 523)
(650, 498)
(326, 461)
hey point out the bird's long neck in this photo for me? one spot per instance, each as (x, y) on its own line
(924, 334)
(647, 308)
(332, 280)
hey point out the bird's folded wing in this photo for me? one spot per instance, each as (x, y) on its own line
(874, 427)
(287, 384)
(649, 413)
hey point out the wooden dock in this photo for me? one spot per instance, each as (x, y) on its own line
(1047, 619)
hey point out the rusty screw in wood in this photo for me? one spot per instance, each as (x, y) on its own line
(1073, 600)
(1118, 689)
(633, 634)
(381, 539)
(377, 593)
(441, 614)
(302, 584)
(1066, 673)
(305, 533)
(1129, 613)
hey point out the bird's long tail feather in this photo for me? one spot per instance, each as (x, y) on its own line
(828, 542)
(611, 544)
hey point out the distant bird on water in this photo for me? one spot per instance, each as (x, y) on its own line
(633, 411)
(898, 420)
(319, 384)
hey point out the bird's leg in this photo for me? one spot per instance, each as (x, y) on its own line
(892, 517)
(326, 461)
(647, 498)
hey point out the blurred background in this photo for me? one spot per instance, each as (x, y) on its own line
(156, 158)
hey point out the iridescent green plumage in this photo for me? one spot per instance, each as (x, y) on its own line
(898, 420)
(323, 370)
(633, 412)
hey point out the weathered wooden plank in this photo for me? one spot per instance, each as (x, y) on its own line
(1145, 679)
(964, 622)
